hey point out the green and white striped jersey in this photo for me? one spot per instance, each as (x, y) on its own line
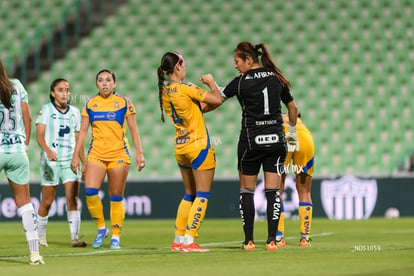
(12, 134)
(60, 131)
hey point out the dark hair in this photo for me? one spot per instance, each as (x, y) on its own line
(107, 71)
(168, 62)
(245, 49)
(6, 87)
(52, 87)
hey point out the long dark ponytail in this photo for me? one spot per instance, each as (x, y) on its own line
(168, 61)
(6, 87)
(245, 49)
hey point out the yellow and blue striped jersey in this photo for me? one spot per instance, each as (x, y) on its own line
(181, 101)
(107, 117)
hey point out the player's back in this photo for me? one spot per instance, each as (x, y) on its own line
(12, 131)
(300, 126)
(181, 103)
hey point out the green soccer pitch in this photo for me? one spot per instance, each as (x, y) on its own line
(375, 246)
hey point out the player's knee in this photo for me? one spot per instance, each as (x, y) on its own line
(72, 204)
(47, 202)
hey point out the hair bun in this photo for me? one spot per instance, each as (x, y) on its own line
(258, 47)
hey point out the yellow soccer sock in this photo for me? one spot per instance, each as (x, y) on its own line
(197, 213)
(305, 218)
(95, 208)
(117, 214)
(182, 214)
(281, 227)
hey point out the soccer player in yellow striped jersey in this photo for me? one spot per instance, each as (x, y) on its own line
(301, 163)
(109, 153)
(185, 103)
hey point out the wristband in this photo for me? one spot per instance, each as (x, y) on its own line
(220, 90)
(291, 129)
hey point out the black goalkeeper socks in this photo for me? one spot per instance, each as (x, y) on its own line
(273, 212)
(247, 212)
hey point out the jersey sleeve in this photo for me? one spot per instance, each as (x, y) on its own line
(231, 88)
(286, 96)
(42, 116)
(195, 92)
(77, 118)
(130, 107)
(84, 110)
(22, 91)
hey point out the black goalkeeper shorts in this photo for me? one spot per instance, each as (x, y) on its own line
(250, 160)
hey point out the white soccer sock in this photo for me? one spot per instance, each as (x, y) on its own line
(29, 221)
(178, 239)
(74, 220)
(188, 239)
(41, 225)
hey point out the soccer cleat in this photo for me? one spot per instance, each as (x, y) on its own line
(115, 245)
(248, 247)
(304, 242)
(193, 247)
(271, 246)
(36, 259)
(281, 243)
(176, 246)
(78, 243)
(102, 234)
(42, 241)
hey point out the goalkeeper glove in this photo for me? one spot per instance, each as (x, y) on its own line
(292, 139)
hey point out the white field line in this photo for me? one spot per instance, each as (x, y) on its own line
(97, 252)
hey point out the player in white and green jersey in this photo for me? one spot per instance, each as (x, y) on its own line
(13, 135)
(57, 126)
(15, 129)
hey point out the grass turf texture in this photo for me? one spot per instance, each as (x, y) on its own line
(366, 247)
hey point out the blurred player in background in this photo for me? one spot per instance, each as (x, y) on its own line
(185, 103)
(109, 154)
(260, 90)
(15, 129)
(301, 163)
(57, 128)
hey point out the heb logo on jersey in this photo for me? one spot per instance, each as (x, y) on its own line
(259, 75)
(111, 115)
(266, 139)
(181, 140)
